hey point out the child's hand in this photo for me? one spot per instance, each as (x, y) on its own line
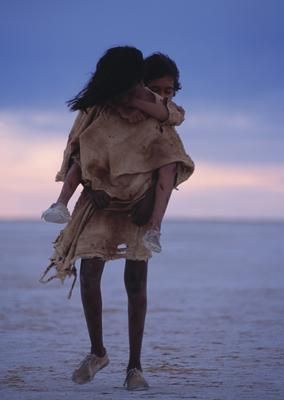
(140, 92)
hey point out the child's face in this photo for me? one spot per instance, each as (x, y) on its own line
(164, 87)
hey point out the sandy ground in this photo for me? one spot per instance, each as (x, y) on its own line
(214, 330)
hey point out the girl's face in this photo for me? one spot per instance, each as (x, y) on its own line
(164, 87)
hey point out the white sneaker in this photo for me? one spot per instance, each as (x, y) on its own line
(151, 240)
(57, 213)
(89, 367)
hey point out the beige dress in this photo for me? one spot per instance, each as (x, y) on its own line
(118, 157)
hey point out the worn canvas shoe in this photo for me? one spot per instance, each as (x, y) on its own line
(152, 240)
(135, 380)
(89, 367)
(57, 213)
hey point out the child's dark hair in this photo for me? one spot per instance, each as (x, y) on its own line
(159, 65)
(119, 69)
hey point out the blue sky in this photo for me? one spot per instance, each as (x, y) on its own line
(226, 49)
(229, 52)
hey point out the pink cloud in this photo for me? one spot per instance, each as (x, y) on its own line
(28, 168)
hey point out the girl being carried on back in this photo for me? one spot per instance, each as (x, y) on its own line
(136, 105)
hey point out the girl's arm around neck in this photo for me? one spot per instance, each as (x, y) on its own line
(176, 114)
(156, 110)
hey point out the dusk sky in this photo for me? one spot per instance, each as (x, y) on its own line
(231, 61)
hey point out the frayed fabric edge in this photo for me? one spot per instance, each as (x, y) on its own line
(60, 274)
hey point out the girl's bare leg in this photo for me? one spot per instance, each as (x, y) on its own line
(164, 187)
(90, 280)
(72, 181)
(135, 279)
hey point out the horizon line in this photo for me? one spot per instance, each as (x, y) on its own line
(229, 219)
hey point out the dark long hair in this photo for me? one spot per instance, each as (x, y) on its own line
(159, 65)
(119, 69)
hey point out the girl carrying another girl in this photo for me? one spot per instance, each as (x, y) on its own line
(126, 153)
(162, 77)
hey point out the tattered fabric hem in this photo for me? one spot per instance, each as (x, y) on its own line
(62, 273)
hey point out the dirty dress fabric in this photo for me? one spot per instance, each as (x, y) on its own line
(118, 157)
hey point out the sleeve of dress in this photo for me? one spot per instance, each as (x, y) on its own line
(72, 148)
(176, 113)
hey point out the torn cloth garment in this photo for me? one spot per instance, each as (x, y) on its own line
(108, 234)
(120, 158)
(81, 122)
(111, 150)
